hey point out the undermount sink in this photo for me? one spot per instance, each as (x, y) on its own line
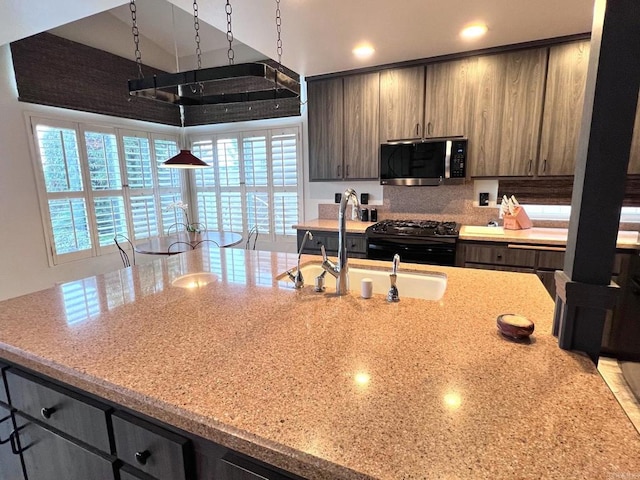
(424, 285)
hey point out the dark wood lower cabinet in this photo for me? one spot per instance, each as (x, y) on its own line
(61, 430)
(48, 456)
(10, 464)
(231, 467)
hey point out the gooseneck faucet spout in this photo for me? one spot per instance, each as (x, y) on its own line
(341, 271)
(297, 279)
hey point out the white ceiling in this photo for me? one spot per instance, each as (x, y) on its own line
(317, 35)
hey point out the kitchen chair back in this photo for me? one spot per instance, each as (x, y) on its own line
(252, 233)
(124, 255)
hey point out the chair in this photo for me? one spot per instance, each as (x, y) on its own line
(253, 232)
(123, 253)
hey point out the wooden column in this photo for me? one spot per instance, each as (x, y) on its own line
(584, 292)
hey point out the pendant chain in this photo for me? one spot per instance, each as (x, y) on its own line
(230, 53)
(136, 36)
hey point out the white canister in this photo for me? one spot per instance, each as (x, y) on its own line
(366, 288)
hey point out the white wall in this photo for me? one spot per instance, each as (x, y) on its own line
(23, 257)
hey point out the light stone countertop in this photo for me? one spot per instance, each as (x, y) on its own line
(353, 226)
(536, 236)
(332, 387)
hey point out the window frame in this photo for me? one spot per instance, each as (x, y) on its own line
(88, 194)
(269, 132)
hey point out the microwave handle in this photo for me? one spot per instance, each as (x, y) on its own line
(447, 159)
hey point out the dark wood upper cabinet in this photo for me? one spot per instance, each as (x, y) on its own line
(521, 111)
(325, 112)
(521, 103)
(564, 98)
(450, 97)
(402, 103)
(361, 126)
(344, 134)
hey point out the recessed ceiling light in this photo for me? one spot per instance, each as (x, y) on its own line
(363, 51)
(473, 31)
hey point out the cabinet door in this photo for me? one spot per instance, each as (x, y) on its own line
(361, 126)
(634, 157)
(401, 103)
(486, 114)
(450, 96)
(521, 101)
(325, 111)
(10, 465)
(48, 456)
(564, 98)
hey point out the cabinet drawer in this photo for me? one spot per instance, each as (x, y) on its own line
(485, 266)
(128, 473)
(232, 467)
(48, 456)
(80, 417)
(3, 390)
(550, 260)
(498, 255)
(152, 449)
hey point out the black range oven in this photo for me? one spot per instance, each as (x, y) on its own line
(422, 241)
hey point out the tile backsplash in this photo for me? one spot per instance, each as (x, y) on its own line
(443, 203)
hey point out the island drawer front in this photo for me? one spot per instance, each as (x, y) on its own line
(233, 467)
(499, 255)
(128, 473)
(152, 449)
(80, 417)
(48, 456)
(3, 390)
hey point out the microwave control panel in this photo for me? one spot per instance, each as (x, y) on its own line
(458, 158)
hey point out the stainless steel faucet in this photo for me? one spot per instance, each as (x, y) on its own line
(297, 279)
(393, 296)
(341, 271)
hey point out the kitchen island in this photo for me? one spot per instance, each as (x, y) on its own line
(331, 387)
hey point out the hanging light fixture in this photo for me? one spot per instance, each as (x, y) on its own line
(184, 159)
(234, 83)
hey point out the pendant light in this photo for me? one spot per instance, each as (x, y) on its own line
(184, 159)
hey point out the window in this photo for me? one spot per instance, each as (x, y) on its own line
(254, 182)
(96, 182)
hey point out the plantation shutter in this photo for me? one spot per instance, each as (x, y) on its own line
(64, 190)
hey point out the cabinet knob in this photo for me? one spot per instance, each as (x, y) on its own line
(142, 457)
(47, 412)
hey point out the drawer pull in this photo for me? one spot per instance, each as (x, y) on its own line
(47, 412)
(142, 457)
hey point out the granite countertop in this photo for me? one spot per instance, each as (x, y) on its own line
(332, 387)
(536, 235)
(353, 226)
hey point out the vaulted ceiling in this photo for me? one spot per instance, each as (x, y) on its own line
(317, 35)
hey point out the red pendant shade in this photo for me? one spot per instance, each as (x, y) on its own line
(185, 159)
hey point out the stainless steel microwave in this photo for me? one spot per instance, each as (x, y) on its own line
(432, 161)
